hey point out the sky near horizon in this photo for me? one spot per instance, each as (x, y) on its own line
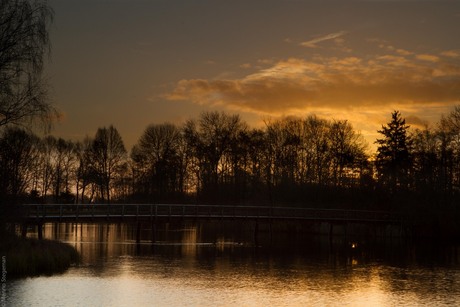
(137, 62)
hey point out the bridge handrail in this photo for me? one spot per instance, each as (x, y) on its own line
(153, 210)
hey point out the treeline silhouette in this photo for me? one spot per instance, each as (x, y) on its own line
(218, 158)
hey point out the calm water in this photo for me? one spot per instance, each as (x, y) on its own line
(219, 265)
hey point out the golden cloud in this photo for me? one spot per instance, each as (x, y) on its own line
(297, 84)
(451, 53)
(428, 57)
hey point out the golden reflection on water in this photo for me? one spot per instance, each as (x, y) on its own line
(188, 266)
(189, 241)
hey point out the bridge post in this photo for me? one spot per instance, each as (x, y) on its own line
(256, 234)
(40, 230)
(153, 234)
(138, 232)
(331, 231)
(270, 230)
(24, 230)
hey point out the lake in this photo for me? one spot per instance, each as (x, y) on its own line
(225, 264)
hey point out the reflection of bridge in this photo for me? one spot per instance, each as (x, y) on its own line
(159, 213)
(162, 212)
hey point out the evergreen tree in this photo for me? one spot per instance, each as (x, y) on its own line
(394, 159)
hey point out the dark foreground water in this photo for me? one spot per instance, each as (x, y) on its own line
(222, 265)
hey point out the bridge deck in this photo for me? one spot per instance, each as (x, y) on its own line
(130, 212)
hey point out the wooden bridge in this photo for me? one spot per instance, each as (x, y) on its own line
(39, 213)
(141, 214)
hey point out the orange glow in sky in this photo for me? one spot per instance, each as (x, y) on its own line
(133, 63)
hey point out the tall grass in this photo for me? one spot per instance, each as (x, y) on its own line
(32, 257)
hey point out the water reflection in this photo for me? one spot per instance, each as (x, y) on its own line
(217, 264)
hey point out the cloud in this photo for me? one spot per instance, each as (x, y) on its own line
(296, 84)
(416, 122)
(332, 36)
(404, 52)
(451, 53)
(427, 57)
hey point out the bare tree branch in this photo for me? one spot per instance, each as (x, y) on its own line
(24, 42)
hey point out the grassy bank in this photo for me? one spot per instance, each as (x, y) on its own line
(32, 257)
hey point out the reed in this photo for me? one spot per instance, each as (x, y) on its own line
(32, 257)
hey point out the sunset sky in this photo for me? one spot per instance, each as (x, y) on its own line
(131, 63)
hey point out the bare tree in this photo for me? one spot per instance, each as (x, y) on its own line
(347, 151)
(157, 160)
(24, 41)
(18, 151)
(84, 173)
(449, 129)
(427, 145)
(317, 149)
(108, 159)
(210, 140)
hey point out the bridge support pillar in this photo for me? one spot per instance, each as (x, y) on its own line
(331, 232)
(138, 232)
(24, 230)
(270, 232)
(256, 234)
(40, 231)
(153, 234)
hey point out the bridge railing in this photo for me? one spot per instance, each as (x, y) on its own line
(79, 211)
